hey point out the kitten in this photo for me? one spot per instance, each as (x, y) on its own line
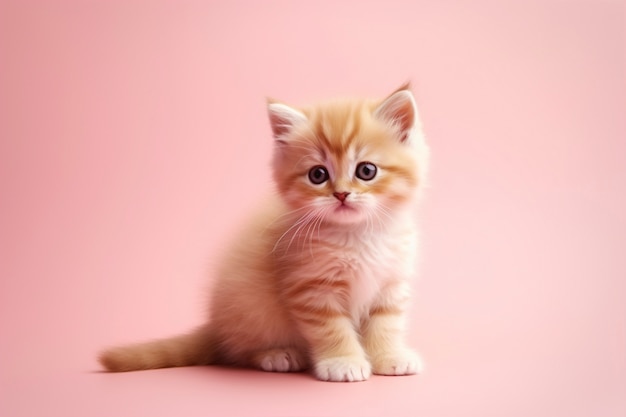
(320, 278)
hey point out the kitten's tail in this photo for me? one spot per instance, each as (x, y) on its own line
(194, 348)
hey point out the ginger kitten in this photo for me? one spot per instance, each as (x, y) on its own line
(320, 277)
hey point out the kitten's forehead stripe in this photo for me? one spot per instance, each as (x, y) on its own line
(337, 125)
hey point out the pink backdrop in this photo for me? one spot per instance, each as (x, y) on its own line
(133, 138)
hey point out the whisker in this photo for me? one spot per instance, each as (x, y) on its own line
(322, 217)
(318, 224)
(309, 216)
(384, 210)
(303, 218)
(287, 214)
(306, 233)
(370, 222)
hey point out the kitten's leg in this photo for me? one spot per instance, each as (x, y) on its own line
(337, 354)
(383, 338)
(280, 360)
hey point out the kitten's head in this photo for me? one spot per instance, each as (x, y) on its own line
(349, 161)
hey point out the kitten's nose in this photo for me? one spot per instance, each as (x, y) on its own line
(340, 196)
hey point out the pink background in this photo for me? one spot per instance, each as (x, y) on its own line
(133, 138)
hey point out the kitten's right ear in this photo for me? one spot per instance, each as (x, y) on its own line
(283, 119)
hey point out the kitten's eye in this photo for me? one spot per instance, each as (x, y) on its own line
(366, 171)
(318, 174)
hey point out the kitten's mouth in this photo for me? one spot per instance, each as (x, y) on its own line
(346, 213)
(344, 208)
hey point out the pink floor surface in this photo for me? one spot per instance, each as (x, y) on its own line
(133, 139)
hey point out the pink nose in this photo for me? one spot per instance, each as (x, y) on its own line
(341, 196)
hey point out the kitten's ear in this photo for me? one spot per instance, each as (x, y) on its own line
(283, 119)
(399, 110)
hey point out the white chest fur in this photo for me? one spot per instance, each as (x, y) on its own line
(369, 261)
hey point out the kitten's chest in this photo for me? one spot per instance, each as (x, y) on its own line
(368, 263)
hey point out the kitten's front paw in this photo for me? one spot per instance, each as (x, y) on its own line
(402, 362)
(343, 369)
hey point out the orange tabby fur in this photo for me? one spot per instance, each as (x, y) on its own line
(314, 281)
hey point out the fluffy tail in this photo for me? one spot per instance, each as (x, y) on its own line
(184, 350)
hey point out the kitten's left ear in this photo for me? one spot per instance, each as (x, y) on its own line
(283, 119)
(400, 111)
